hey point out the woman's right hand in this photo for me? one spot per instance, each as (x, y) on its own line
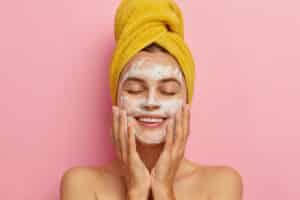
(137, 176)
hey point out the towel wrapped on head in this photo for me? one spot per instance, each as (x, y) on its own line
(139, 23)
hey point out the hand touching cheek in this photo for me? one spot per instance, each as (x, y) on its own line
(136, 175)
(164, 172)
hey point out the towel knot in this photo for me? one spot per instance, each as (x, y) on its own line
(137, 14)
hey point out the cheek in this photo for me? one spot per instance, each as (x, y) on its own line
(129, 104)
(172, 106)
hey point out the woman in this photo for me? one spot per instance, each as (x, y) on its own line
(151, 79)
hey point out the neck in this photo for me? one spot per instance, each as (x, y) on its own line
(149, 154)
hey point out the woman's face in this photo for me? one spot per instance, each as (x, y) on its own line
(151, 89)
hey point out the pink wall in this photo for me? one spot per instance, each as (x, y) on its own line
(55, 101)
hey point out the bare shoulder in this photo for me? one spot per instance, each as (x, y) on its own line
(78, 183)
(222, 182)
(226, 179)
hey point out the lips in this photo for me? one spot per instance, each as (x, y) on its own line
(151, 121)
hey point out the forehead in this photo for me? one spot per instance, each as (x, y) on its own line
(155, 66)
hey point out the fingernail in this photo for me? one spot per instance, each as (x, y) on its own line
(171, 121)
(129, 120)
(168, 121)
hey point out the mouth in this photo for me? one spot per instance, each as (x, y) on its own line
(150, 121)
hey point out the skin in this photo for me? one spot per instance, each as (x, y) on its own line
(150, 162)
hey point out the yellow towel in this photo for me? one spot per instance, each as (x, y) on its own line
(139, 23)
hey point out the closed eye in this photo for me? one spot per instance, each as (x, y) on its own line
(169, 93)
(170, 88)
(134, 91)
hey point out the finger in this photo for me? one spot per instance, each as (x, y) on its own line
(131, 139)
(188, 122)
(123, 135)
(115, 130)
(185, 126)
(114, 122)
(133, 155)
(185, 121)
(178, 130)
(169, 135)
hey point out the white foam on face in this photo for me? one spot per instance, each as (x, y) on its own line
(135, 105)
(154, 72)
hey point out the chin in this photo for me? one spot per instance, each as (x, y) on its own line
(151, 138)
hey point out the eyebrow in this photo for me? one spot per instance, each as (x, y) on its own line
(134, 79)
(162, 80)
(170, 79)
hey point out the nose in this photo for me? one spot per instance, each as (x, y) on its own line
(151, 102)
(151, 107)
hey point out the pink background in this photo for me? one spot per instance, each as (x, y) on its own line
(55, 103)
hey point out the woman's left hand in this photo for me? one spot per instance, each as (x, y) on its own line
(163, 174)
